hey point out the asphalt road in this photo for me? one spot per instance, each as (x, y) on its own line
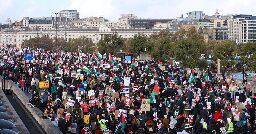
(31, 124)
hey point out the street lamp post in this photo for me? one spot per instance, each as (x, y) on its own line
(56, 32)
(244, 80)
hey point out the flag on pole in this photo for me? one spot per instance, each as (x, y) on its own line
(98, 53)
(86, 69)
(95, 58)
(210, 90)
(207, 75)
(156, 88)
(110, 59)
(192, 76)
(122, 120)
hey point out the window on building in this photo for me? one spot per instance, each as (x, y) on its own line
(218, 24)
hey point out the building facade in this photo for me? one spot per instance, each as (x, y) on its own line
(241, 28)
(40, 23)
(220, 33)
(195, 15)
(147, 23)
(123, 21)
(15, 38)
(249, 30)
(70, 14)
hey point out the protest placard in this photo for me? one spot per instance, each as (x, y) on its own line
(127, 81)
(44, 84)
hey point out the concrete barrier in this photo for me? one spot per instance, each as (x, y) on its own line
(20, 127)
(47, 125)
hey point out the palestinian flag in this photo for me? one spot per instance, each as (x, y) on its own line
(98, 53)
(110, 58)
(122, 120)
(207, 78)
(210, 90)
(86, 69)
(95, 58)
(156, 88)
(192, 76)
(159, 63)
(146, 68)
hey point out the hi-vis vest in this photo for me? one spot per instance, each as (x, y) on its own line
(102, 123)
(230, 127)
(232, 88)
(87, 119)
(204, 125)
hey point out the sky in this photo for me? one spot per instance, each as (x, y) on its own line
(112, 9)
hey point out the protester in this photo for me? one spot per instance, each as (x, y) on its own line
(94, 93)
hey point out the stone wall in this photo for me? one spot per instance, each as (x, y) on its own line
(20, 127)
(46, 124)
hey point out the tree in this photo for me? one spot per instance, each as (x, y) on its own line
(81, 43)
(225, 51)
(39, 42)
(160, 45)
(139, 43)
(247, 53)
(111, 43)
(189, 45)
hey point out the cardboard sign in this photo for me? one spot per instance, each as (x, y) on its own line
(44, 84)
(162, 68)
(145, 106)
(116, 114)
(115, 95)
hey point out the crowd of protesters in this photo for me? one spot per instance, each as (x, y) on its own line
(95, 93)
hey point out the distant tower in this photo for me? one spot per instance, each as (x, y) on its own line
(217, 14)
(9, 22)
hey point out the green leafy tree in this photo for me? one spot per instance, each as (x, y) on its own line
(139, 43)
(39, 42)
(247, 53)
(82, 43)
(161, 46)
(226, 51)
(111, 43)
(189, 46)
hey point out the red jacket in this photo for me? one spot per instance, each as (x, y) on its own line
(217, 116)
